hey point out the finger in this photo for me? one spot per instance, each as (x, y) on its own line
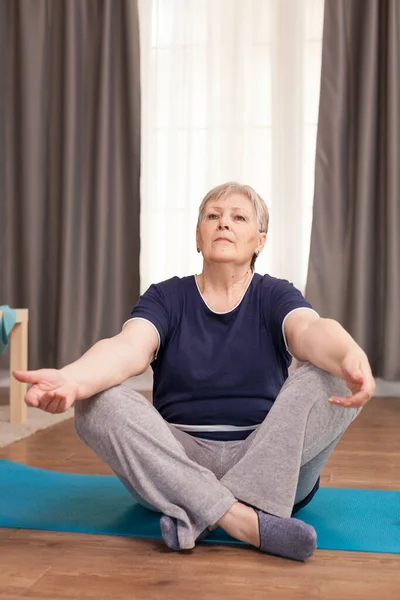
(53, 403)
(356, 400)
(45, 402)
(62, 407)
(358, 373)
(38, 399)
(366, 389)
(369, 380)
(33, 396)
(26, 376)
(53, 406)
(356, 376)
(31, 401)
(352, 405)
(351, 367)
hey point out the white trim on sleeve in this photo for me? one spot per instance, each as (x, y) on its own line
(283, 324)
(152, 324)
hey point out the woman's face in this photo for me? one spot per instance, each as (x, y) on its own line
(229, 232)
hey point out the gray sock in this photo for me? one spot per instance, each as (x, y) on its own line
(290, 538)
(169, 532)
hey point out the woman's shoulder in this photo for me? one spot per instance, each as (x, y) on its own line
(267, 281)
(173, 283)
(275, 288)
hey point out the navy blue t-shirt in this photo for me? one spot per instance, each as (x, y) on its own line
(216, 375)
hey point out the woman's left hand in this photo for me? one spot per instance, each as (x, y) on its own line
(357, 374)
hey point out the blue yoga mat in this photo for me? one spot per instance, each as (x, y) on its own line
(30, 498)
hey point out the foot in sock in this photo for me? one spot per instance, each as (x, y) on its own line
(287, 537)
(169, 532)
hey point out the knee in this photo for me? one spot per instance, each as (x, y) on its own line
(331, 385)
(93, 415)
(330, 416)
(311, 377)
(338, 417)
(314, 387)
(106, 412)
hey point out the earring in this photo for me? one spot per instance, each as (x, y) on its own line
(257, 252)
(198, 249)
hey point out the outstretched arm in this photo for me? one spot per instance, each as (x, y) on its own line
(106, 364)
(326, 344)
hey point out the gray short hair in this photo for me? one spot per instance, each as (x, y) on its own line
(232, 187)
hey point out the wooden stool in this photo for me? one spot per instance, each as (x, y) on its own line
(18, 361)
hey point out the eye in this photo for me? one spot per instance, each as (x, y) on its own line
(240, 217)
(212, 216)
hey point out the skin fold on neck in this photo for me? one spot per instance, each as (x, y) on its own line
(222, 291)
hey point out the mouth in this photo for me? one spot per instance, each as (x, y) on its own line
(222, 239)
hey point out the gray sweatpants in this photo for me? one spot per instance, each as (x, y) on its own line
(197, 480)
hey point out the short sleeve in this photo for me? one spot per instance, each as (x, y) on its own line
(284, 298)
(152, 307)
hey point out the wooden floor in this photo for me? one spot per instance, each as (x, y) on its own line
(48, 565)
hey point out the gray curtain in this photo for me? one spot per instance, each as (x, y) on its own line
(354, 268)
(69, 170)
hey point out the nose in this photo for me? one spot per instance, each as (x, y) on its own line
(223, 223)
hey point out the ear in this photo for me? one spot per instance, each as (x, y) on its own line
(261, 242)
(198, 239)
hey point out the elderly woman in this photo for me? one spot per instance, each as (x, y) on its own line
(230, 440)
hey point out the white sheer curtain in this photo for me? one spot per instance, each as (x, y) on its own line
(230, 91)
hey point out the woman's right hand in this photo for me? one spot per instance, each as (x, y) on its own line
(50, 390)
